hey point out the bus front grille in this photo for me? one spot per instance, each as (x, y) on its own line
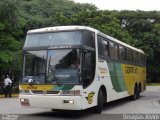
(44, 92)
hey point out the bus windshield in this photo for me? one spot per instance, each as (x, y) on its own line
(52, 66)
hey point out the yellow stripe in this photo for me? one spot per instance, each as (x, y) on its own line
(36, 87)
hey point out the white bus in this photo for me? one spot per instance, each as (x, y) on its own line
(78, 67)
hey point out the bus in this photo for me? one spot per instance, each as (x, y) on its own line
(78, 67)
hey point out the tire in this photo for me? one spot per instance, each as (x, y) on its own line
(136, 94)
(98, 109)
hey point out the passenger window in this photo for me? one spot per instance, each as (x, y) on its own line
(140, 58)
(134, 57)
(89, 38)
(137, 60)
(116, 52)
(103, 47)
(106, 48)
(100, 46)
(144, 60)
(111, 49)
(129, 55)
(122, 53)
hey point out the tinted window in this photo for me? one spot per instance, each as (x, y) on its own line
(58, 38)
(106, 48)
(116, 51)
(88, 68)
(34, 66)
(111, 49)
(89, 39)
(103, 47)
(135, 57)
(63, 66)
(129, 55)
(122, 53)
(144, 59)
(140, 59)
(100, 46)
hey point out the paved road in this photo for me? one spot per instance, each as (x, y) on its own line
(149, 103)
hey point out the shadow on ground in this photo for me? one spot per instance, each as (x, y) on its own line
(79, 115)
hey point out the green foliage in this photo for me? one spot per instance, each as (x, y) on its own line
(42, 13)
(9, 32)
(137, 28)
(103, 21)
(144, 28)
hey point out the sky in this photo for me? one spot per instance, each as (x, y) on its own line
(146, 5)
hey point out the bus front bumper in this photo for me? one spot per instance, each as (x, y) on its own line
(52, 102)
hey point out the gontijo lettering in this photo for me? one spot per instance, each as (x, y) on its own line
(130, 69)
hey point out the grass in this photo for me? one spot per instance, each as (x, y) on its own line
(153, 84)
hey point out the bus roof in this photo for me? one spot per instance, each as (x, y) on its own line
(61, 28)
(68, 28)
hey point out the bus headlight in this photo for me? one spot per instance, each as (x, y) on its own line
(70, 92)
(68, 101)
(24, 102)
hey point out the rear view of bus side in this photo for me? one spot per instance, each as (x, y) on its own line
(78, 67)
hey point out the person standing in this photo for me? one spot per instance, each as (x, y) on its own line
(8, 86)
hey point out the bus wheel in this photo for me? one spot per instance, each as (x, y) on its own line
(136, 93)
(99, 107)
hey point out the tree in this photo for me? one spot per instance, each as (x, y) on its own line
(137, 28)
(144, 28)
(43, 13)
(9, 31)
